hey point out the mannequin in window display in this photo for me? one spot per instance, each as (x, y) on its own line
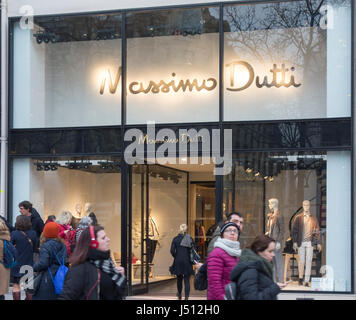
(305, 233)
(88, 207)
(275, 230)
(88, 211)
(78, 210)
(153, 236)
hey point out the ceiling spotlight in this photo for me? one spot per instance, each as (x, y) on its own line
(86, 165)
(71, 165)
(39, 39)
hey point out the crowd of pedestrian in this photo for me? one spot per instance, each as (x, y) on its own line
(69, 258)
(249, 269)
(79, 251)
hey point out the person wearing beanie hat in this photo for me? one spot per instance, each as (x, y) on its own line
(225, 255)
(229, 224)
(51, 230)
(51, 247)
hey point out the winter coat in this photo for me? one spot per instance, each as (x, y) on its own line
(220, 264)
(4, 272)
(81, 281)
(62, 229)
(37, 222)
(24, 249)
(253, 276)
(181, 264)
(68, 237)
(49, 260)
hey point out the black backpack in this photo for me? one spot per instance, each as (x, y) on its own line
(201, 278)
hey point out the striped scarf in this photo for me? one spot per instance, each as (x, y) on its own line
(108, 267)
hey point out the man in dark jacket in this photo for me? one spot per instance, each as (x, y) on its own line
(36, 220)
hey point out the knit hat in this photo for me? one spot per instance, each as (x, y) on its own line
(229, 224)
(51, 230)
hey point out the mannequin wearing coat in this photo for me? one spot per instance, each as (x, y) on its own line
(305, 232)
(275, 230)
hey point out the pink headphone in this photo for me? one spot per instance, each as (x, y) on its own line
(93, 243)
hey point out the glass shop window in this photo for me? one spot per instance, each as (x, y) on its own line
(173, 66)
(303, 201)
(67, 72)
(287, 60)
(82, 186)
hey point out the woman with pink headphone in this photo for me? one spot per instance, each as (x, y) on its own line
(92, 274)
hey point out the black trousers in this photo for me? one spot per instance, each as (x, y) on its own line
(151, 249)
(186, 285)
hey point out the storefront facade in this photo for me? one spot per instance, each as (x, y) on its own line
(157, 116)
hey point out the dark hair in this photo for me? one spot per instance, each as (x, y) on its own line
(23, 223)
(81, 250)
(51, 218)
(26, 204)
(93, 218)
(261, 243)
(228, 217)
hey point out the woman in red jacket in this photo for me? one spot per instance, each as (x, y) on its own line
(222, 259)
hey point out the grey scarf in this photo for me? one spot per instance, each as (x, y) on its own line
(187, 241)
(231, 247)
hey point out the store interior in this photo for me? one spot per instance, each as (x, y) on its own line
(178, 193)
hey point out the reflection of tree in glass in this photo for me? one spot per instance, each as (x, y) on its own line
(279, 33)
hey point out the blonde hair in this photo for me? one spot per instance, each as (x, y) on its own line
(183, 228)
(3, 226)
(65, 217)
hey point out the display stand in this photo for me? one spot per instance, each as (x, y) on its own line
(287, 258)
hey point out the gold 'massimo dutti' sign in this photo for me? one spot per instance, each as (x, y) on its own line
(251, 77)
(162, 86)
(208, 84)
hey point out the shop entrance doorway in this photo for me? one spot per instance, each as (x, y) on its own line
(161, 199)
(202, 215)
